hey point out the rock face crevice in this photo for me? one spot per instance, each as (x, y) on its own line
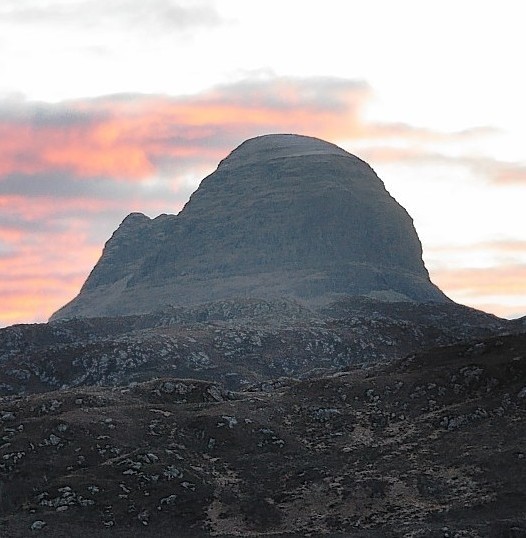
(282, 216)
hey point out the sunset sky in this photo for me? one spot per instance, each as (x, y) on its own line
(114, 106)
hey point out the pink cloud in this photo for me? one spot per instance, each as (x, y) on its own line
(42, 271)
(500, 247)
(132, 137)
(500, 173)
(510, 173)
(501, 280)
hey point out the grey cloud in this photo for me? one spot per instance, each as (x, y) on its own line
(61, 186)
(165, 13)
(175, 15)
(324, 92)
(498, 172)
(17, 110)
(327, 93)
(321, 93)
(15, 219)
(101, 202)
(57, 185)
(6, 251)
(38, 231)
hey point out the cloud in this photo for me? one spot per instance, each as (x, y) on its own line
(38, 185)
(504, 173)
(501, 280)
(499, 289)
(133, 137)
(137, 137)
(497, 172)
(147, 152)
(136, 14)
(511, 246)
(501, 309)
(43, 268)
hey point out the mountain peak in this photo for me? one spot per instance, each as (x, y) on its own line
(274, 146)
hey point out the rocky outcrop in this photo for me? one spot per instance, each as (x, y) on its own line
(283, 216)
(237, 343)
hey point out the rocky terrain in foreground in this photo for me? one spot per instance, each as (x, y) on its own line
(238, 343)
(429, 445)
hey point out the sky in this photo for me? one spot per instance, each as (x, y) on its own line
(114, 106)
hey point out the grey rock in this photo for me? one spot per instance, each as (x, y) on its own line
(38, 525)
(54, 439)
(282, 216)
(172, 472)
(230, 421)
(171, 499)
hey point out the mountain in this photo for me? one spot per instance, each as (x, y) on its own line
(283, 216)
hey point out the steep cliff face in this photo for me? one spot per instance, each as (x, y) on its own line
(282, 216)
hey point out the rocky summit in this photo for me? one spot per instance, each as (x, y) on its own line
(283, 216)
